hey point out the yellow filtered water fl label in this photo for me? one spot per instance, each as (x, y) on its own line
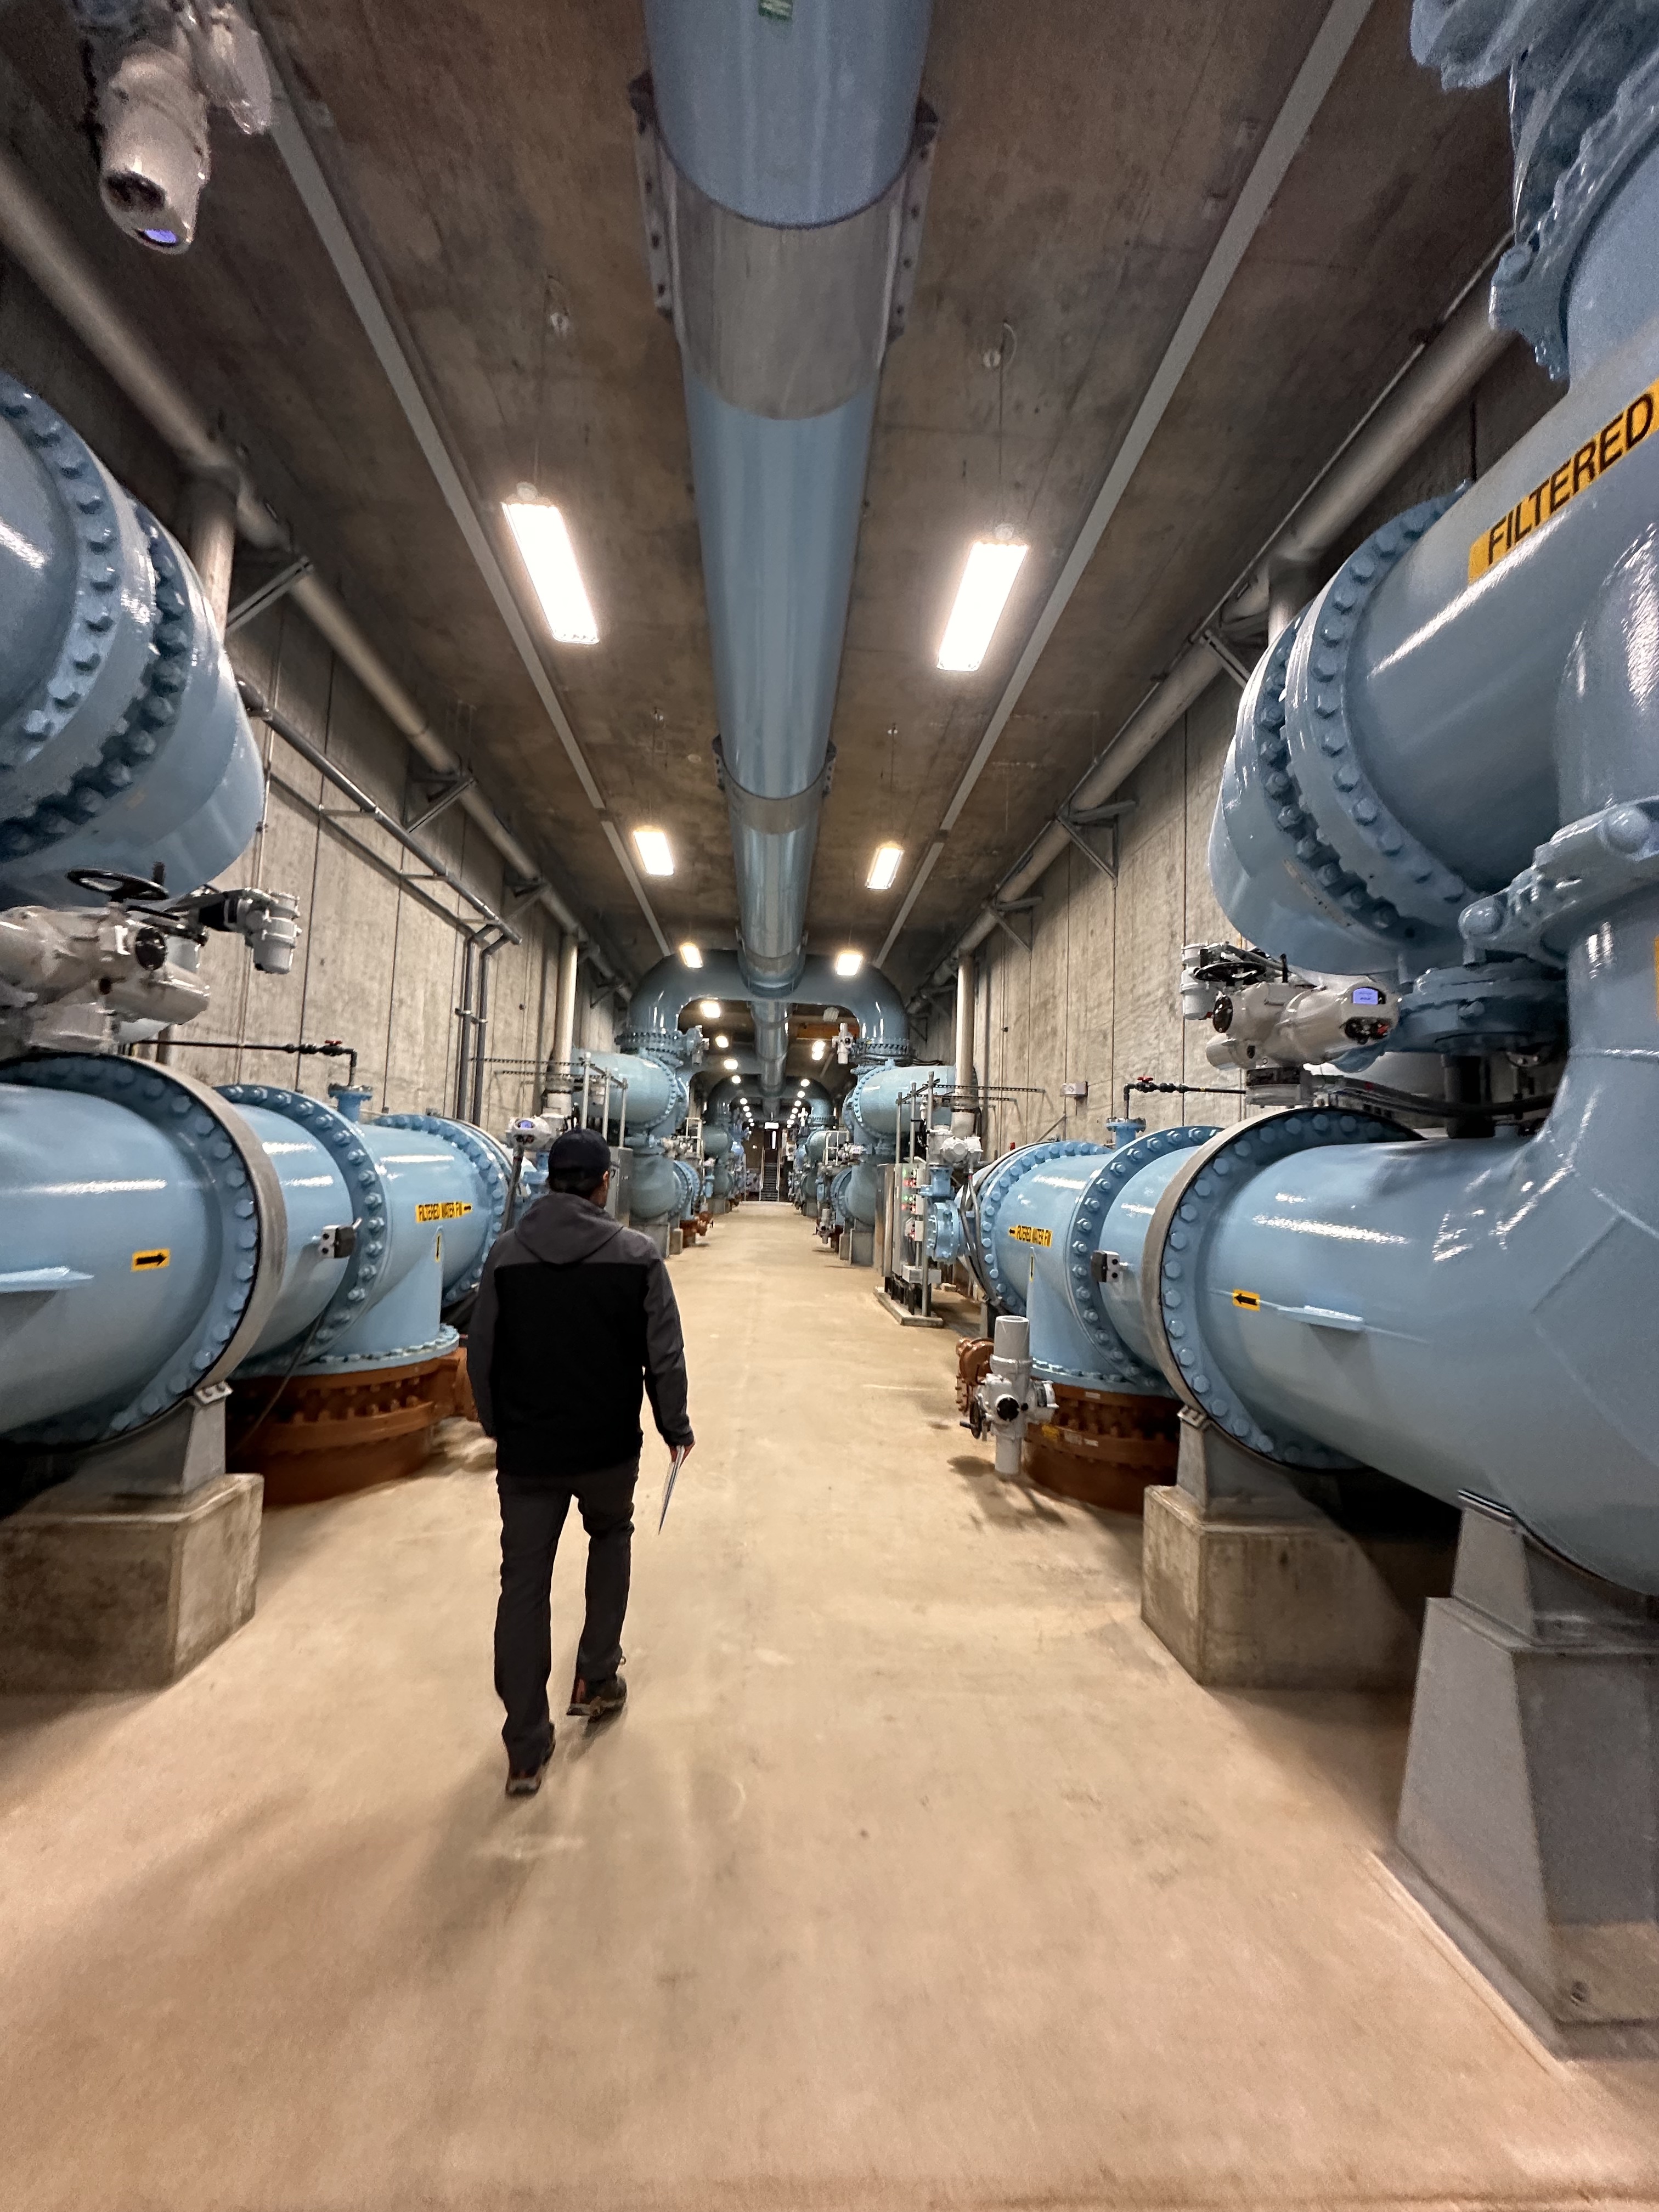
(1619, 434)
(449, 1209)
(1022, 1234)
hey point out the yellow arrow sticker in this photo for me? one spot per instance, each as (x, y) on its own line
(1247, 1301)
(145, 1263)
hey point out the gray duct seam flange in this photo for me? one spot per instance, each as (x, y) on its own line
(783, 320)
(1121, 1365)
(364, 1269)
(773, 818)
(1174, 1241)
(475, 1149)
(235, 1167)
(1358, 860)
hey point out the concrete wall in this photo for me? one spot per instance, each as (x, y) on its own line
(379, 961)
(1095, 998)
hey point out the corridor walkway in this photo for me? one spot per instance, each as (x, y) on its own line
(916, 1874)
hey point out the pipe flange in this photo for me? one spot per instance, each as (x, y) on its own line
(253, 1220)
(103, 534)
(1121, 1365)
(379, 1363)
(339, 1139)
(1356, 858)
(140, 731)
(475, 1149)
(1558, 199)
(994, 1191)
(1183, 1218)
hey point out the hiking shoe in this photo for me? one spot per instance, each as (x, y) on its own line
(593, 1701)
(526, 1781)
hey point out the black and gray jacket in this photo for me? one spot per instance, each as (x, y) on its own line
(576, 1320)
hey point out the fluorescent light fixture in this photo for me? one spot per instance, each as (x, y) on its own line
(721, 1042)
(849, 964)
(817, 1048)
(692, 957)
(549, 558)
(728, 1063)
(884, 868)
(654, 856)
(993, 565)
(709, 1008)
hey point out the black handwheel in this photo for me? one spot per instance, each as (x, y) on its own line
(111, 883)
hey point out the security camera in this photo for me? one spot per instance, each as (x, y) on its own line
(159, 67)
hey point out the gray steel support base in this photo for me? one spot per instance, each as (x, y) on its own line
(1529, 1817)
(1252, 1585)
(656, 1230)
(903, 1315)
(675, 1241)
(124, 1594)
(858, 1247)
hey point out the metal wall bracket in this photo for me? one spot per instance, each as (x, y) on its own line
(1001, 908)
(440, 791)
(1225, 653)
(1075, 820)
(520, 894)
(267, 594)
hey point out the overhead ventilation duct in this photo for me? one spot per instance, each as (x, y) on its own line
(783, 162)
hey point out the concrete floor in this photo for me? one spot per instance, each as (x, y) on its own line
(916, 1874)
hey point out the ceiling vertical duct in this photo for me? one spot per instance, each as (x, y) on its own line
(783, 162)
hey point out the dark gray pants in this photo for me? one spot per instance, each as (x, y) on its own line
(533, 1516)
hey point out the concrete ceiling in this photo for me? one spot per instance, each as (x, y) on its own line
(1090, 153)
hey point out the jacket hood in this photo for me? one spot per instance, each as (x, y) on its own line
(561, 1228)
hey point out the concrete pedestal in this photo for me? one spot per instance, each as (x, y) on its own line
(858, 1246)
(124, 1594)
(1251, 1584)
(1530, 1810)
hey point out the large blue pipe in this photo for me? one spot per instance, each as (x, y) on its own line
(779, 145)
(1452, 762)
(161, 1237)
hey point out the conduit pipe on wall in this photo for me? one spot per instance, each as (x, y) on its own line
(1440, 378)
(44, 249)
(782, 170)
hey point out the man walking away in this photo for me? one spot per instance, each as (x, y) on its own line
(576, 1320)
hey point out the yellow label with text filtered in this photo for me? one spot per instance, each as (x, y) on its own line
(1620, 435)
(146, 1263)
(1022, 1234)
(450, 1209)
(1247, 1301)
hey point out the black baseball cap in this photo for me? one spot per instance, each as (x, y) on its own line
(578, 1151)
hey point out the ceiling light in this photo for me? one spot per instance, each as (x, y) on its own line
(720, 1043)
(817, 1048)
(728, 1063)
(992, 564)
(550, 560)
(849, 964)
(709, 1008)
(654, 856)
(884, 868)
(692, 955)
